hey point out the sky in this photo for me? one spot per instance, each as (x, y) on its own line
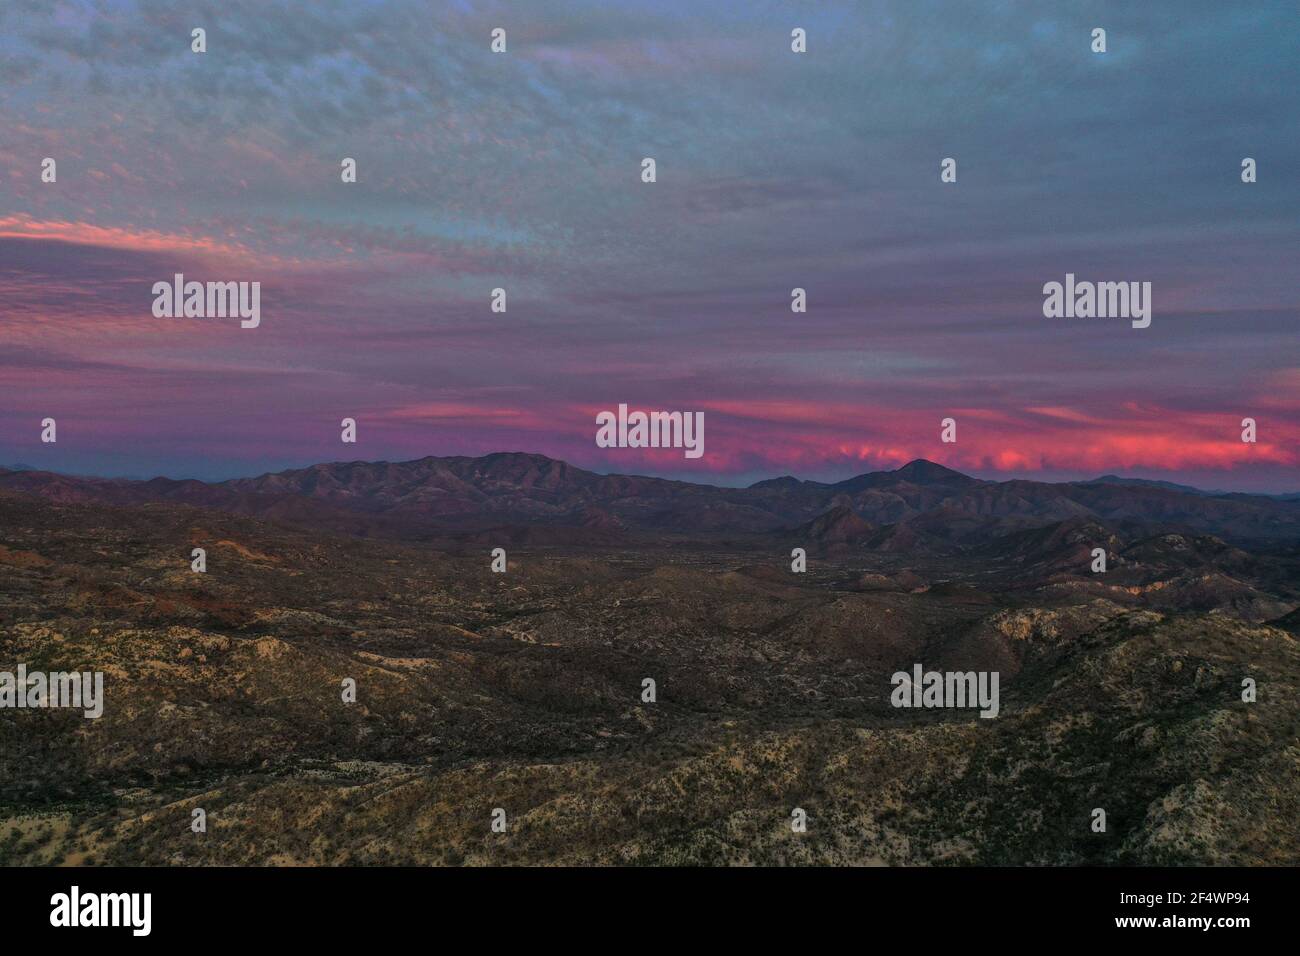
(774, 170)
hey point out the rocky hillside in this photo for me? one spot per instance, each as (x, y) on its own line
(523, 691)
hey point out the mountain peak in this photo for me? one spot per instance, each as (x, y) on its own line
(785, 482)
(921, 471)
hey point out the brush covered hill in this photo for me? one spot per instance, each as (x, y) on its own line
(523, 691)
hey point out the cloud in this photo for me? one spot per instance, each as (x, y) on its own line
(776, 170)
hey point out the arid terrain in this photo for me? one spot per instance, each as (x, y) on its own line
(522, 690)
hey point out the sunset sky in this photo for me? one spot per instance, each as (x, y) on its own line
(775, 170)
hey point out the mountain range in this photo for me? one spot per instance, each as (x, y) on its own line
(530, 497)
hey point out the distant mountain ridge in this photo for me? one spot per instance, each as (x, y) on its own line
(1152, 483)
(920, 503)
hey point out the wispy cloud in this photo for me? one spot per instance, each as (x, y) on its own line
(520, 171)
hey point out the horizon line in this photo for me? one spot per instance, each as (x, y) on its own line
(1163, 484)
